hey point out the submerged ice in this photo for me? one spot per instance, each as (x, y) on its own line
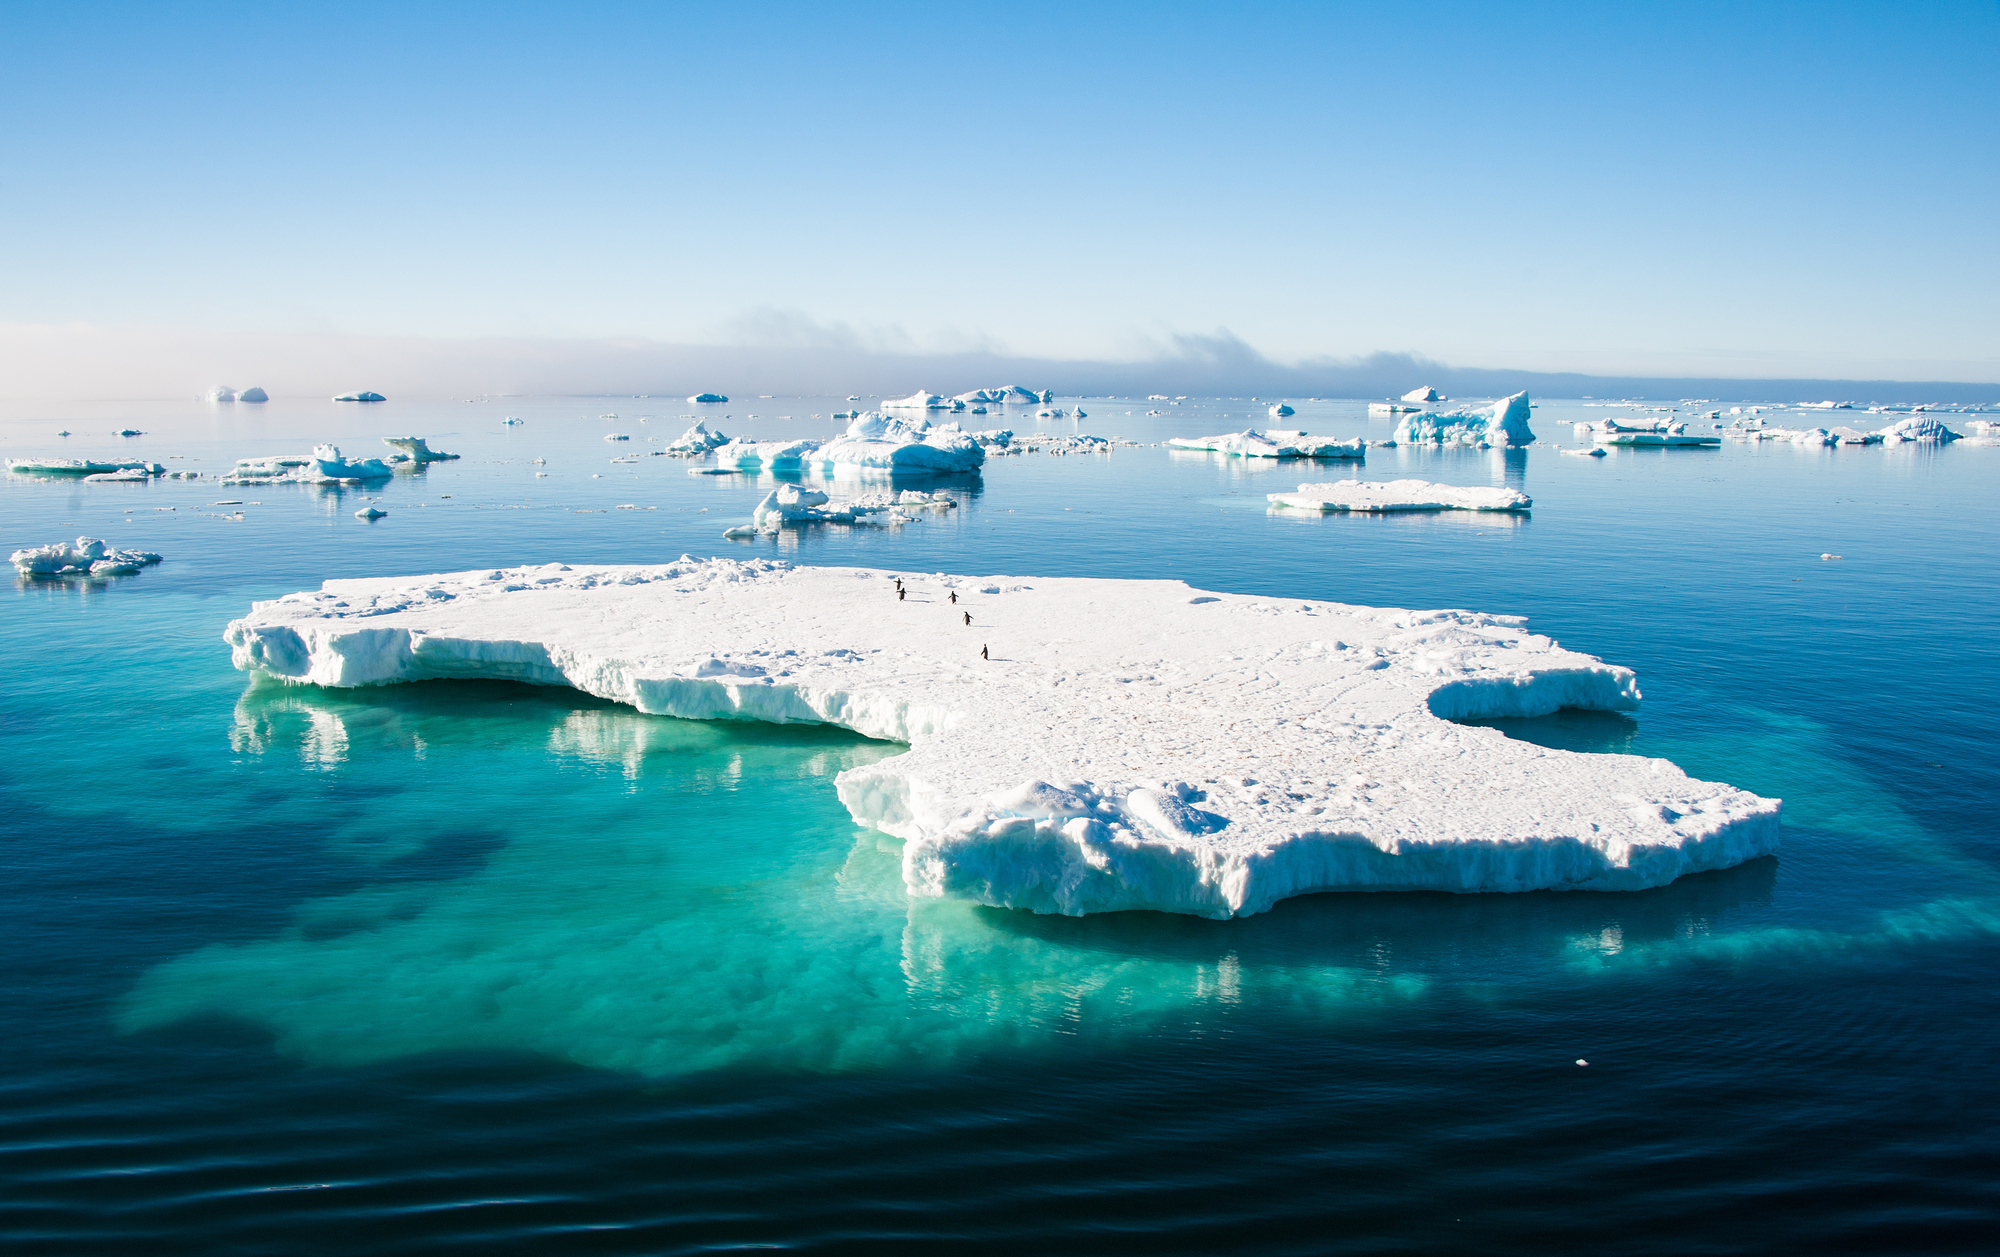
(1128, 744)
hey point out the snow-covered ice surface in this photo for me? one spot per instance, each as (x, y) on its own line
(1400, 495)
(86, 556)
(1505, 422)
(1253, 443)
(85, 467)
(1129, 745)
(325, 465)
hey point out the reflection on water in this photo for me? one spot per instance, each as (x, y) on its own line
(550, 874)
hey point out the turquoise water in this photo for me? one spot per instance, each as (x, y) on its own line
(487, 967)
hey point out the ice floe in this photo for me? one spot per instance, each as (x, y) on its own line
(220, 393)
(87, 556)
(1127, 744)
(797, 504)
(873, 441)
(1919, 428)
(325, 465)
(696, 440)
(253, 394)
(417, 449)
(1505, 422)
(1400, 495)
(1274, 443)
(1661, 432)
(707, 399)
(85, 467)
(361, 397)
(1282, 411)
(921, 400)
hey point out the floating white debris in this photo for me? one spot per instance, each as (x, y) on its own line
(1400, 495)
(88, 556)
(1129, 744)
(80, 466)
(1252, 443)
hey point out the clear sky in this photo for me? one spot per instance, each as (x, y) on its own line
(1667, 189)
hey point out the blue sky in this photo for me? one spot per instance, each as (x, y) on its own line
(1684, 189)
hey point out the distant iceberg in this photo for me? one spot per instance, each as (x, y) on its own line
(1424, 394)
(1504, 423)
(1400, 495)
(220, 393)
(253, 394)
(707, 399)
(920, 400)
(1206, 753)
(1919, 428)
(697, 440)
(86, 557)
(897, 443)
(361, 397)
(417, 449)
(1282, 411)
(1251, 443)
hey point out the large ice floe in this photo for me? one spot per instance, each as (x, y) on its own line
(85, 467)
(325, 465)
(1658, 432)
(1272, 443)
(87, 556)
(1127, 745)
(873, 442)
(1400, 495)
(1505, 422)
(793, 504)
(417, 450)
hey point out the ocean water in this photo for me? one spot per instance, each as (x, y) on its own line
(489, 968)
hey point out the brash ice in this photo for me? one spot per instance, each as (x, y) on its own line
(1129, 744)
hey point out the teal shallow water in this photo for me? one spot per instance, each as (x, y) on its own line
(487, 966)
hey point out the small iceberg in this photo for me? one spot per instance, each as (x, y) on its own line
(220, 393)
(1662, 432)
(1424, 394)
(875, 441)
(253, 394)
(326, 465)
(1592, 452)
(361, 397)
(417, 450)
(1919, 428)
(1400, 495)
(1282, 411)
(370, 512)
(1391, 408)
(1252, 443)
(87, 557)
(796, 504)
(707, 399)
(616, 436)
(1503, 423)
(696, 440)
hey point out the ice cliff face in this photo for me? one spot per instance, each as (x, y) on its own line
(1128, 744)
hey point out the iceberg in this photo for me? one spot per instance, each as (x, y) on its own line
(361, 397)
(1400, 495)
(370, 512)
(220, 393)
(1424, 394)
(1128, 744)
(85, 467)
(417, 450)
(1282, 411)
(326, 465)
(1252, 443)
(873, 441)
(707, 399)
(1661, 432)
(129, 475)
(253, 394)
(920, 400)
(1391, 408)
(1503, 423)
(696, 440)
(771, 455)
(796, 504)
(1919, 428)
(87, 557)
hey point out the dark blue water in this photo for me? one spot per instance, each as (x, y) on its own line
(478, 967)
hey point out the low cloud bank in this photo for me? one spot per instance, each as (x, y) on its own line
(97, 362)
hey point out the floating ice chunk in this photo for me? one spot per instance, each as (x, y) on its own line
(1207, 757)
(417, 449)
(1015, 395)
(696, 440)
(220, 393)
(1400, 495)
(796, 504)
(1424, 394)
(253, 394)
(617, 436)
(129, 474)
(326, 465)
(80, 466)
(921, 400)
(370, 512)
(1851, 436)
(1662, 432)
(361, 397)
(1919, 428)
(1592, 452)
(1503, 423)
(707, 399)
(875, 441)
(88, 556)
(126, 432)
(773, 455)
(1282, 411)
(1391, 408)
(1252, 443)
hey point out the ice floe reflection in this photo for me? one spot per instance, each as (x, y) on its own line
(547, 874)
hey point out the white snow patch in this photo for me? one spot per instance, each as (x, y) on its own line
(1125, 747)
